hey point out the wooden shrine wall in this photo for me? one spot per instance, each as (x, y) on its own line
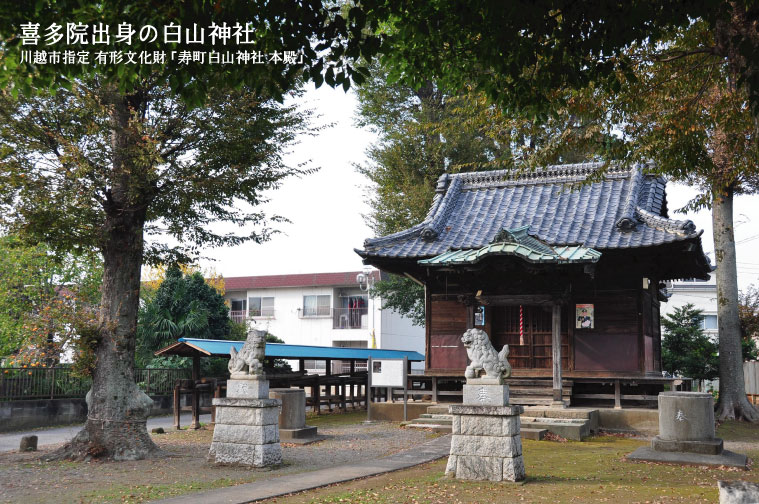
(613, 342)
(447, 321)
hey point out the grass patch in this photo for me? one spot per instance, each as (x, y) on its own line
(336, 418)
(738, 431)
(145, 493)
(590, 471)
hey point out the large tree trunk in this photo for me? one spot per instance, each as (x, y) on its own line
(117, 408)
(733, 403)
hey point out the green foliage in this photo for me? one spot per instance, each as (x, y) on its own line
(520, 54)
(403, 296)
(183, 306)
(330, 37)
(748, 309)
(686, 350)
(46, 301)
(187, 167)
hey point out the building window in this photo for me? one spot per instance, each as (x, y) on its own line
(316, 306)
(261, 306)
(237, 310)
(709, 322)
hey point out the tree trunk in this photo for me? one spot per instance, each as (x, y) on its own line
(117, 408)
(733, 403)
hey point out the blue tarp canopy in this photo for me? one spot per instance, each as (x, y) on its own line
(188, 347)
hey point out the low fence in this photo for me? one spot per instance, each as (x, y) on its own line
(61, 383)
(751, 380)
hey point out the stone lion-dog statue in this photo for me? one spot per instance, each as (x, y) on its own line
(249, 361)
(484, 358)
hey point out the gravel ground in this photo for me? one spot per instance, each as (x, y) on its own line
(23, 478)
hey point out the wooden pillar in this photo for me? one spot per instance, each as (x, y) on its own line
(434, 389)
(617, 395)
(328, 365)
(195, 366)
(177, 406)
(195, 408)
(556, 348)
(301, 364)
(316, 394)
(353, 366)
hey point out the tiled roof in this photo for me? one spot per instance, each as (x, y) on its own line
(299, 280)
(561, 205)
(517, 242)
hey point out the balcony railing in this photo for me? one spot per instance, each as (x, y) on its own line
(349, 318)
(240, 316)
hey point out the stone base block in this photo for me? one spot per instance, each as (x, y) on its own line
(468, 409)
(475, 425)
(251, 388)
(738, 492)
(726, 458)
(485, 468)
(289, 435)
(706, 447)
(250, 455)
(486, 395)
(232, 411)
(487, 446)
(247, 434)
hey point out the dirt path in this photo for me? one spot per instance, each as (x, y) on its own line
(23, 478)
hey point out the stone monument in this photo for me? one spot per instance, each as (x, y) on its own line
(486, 444)
(292, 417)
(686, 433)
(247, 431)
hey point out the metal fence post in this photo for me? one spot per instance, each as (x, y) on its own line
(52, 383)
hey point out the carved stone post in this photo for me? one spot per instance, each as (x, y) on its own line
(247, 421)
(486, 442)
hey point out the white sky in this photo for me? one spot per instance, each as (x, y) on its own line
(326, 208)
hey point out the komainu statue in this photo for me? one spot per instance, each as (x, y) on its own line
(484, 358)
(249, 361)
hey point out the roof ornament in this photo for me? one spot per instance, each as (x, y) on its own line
(429, 235)
(627, 224)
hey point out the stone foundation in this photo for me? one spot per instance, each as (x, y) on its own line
(247, 426)
(486, 444)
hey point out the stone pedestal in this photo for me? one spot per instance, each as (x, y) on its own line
(292, 417)
(686, 433)
(486, 444)
(247, 425)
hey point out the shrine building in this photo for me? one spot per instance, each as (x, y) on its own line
(565, 266)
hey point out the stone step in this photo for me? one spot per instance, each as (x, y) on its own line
(570, 428)
(531, 400)
(443, 428)
(519, 391)
(438, 409)
(424, 420)
(534, 434)
(435, 415)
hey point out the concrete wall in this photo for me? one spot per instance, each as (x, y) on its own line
(391, 329)
(35, 413)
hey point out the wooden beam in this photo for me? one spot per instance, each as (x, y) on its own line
(556, 348)
(516, 300)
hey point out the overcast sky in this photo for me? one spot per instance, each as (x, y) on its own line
(326, 208)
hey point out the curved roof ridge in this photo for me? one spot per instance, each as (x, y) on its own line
(576, 172)
(681, 227)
